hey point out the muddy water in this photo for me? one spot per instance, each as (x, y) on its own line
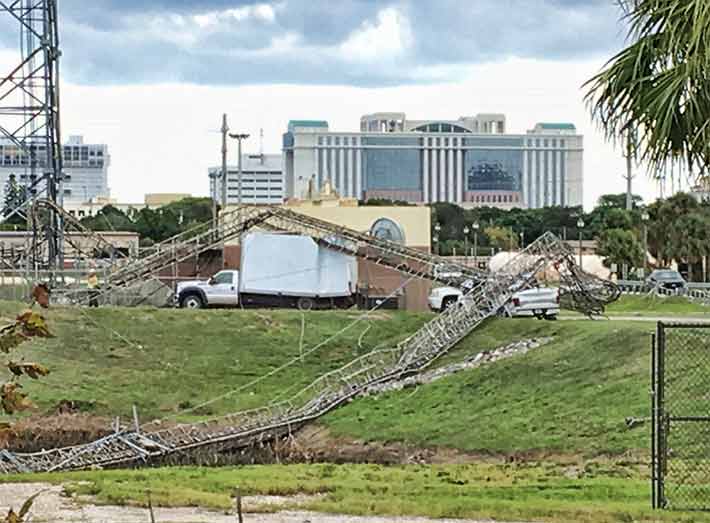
(53, 507)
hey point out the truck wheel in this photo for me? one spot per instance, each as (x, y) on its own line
(191, 301)
(305, 304)
(448, 302)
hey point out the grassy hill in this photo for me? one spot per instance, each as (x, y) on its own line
(554, 408)
(166, 361)
(569, 396)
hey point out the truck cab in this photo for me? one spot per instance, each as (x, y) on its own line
(221, 290)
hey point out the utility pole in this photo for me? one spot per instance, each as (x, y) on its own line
(225, 131)
(630, 155)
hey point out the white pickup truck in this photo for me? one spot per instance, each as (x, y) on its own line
(539, 302)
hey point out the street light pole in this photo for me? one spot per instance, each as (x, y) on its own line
(225, 130)
(466, 231)
(476, 226)
(580, 226)
(644, 220)
(214, 177)
(437, 229)
(239, 138)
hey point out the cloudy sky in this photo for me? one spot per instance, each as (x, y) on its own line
(152, 77)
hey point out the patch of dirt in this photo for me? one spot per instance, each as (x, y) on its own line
(53, 506)
(315, 443)
(47, 432)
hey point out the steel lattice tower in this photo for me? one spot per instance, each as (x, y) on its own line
(30, 119)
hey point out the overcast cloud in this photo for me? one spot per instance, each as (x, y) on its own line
(346, 42)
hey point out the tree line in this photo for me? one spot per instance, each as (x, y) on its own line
(153, 225)
(676, 229)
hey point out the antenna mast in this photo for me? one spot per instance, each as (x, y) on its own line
(30, 123)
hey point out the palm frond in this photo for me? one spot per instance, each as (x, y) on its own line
(658, 87)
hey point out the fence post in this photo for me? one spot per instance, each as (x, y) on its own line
(238, 502)
(150, 507)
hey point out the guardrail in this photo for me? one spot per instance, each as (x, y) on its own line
(693, 291)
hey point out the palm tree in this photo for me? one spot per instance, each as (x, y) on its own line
(657, 90)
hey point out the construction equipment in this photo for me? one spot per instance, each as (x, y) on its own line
(135, 445)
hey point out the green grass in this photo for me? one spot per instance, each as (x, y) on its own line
(564, 403)
(178, 359)
(570, 396)
(656, 306)
(594, 492)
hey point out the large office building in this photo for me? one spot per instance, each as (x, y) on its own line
(471, 161)
(85, 169)
(261, 181)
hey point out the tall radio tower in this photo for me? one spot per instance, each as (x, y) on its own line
(30, 122)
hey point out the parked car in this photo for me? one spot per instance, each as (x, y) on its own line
(667, 279)
(540, 302)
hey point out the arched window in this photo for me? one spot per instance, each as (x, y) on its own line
(441, 127)
(386, 229)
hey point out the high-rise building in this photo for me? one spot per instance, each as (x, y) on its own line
(262, 180)
(470, 161)
(85, 169)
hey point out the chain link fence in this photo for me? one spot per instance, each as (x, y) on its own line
(681, 417)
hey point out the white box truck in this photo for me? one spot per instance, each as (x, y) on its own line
(278, 270)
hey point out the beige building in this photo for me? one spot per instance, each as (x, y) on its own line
(410, 225)
(154, 200)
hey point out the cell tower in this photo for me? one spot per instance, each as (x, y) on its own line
(30, 122)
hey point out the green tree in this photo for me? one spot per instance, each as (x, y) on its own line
(617, 219)
(690, 241)
(501, 238)
(618, 201)
(620, 247)
(657, 87)
(664, 231)
(109, 219)
(11, 195)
